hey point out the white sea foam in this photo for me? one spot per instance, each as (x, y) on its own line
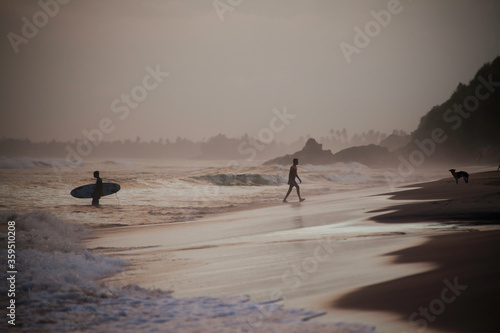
(43, 231)
(58, 290)
(317, 168)
(349, 176)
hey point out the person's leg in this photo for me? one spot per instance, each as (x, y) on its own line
(288, 193)
(298, 193)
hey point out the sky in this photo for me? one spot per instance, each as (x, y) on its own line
(274, 69)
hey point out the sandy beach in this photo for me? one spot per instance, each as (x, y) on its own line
(466, 264)
(476, 202)
(333, 254)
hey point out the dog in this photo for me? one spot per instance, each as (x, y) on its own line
(460, 174)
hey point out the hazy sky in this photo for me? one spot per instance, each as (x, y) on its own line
(168, 68)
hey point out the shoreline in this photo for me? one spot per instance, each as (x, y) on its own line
(248, 251)
(295, 256)
(461, 293)
(475, 203)
(264, 253)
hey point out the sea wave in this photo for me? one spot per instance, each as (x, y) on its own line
(117, 162)
(241, 179)
(43, 231)
(352, 176)
(340, 172)
(31, 163)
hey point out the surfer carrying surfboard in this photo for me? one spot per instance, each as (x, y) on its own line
(95, 191)
(291, 180)
(96, 195)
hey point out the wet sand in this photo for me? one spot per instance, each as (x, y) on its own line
(321, 254)
(461, 293)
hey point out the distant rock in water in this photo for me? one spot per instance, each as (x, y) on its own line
(313, 153)
(371, 155)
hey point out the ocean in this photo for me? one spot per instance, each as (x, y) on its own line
(59, 282)
(160, 191)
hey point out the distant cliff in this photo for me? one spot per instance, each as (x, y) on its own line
(466, 128)
(463, 130)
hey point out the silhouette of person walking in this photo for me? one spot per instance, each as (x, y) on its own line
(291, 180)
(98, 189)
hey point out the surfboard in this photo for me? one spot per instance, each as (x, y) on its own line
(85, 191)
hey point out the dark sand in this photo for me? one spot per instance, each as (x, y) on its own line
(477, 202)
(469, 261)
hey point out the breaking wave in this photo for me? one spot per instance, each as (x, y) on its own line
(241, 179)
(31, 163)
(119, 162)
